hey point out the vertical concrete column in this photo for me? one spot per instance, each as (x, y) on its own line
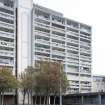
(24, 34)
(82, 100)
(99, 99)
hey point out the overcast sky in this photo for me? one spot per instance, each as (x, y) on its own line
(91, 12)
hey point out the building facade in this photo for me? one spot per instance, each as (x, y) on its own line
(60, 39)
(98, 84)
(7, 34)
(29, 33)
(95, 98)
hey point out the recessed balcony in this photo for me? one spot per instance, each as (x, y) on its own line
(58, 37)
(6, 44)
(42, 50)
(6, 62)
(42, 41)
(7, 53)
(55, 52)
(58, 45)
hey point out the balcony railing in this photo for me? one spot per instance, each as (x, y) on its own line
(85, 30)
(42, 41)
(6, 53)
(85, 44)
(42, 25)
(6, 44)
(42, 33)
(58, 37)
(6, 35)
(39, 57)
(72, 41)
(42, 50)
(85, 51)
(6, 62)
(58, 44)
(73, 55)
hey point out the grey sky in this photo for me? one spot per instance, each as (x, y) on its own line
(91, 12)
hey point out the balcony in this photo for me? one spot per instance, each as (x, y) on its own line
(41, 17)
(71, 77)
(73, 63)
(58, 45)
(85, 37)
(58, 37)
(6, 11)
(7, 26)
(6, 44)
(85, 86)
(85, 44)
(42, 25)
(42, 34)
(72, 48)
(55, 52)
(72, 55)
(42, 50)
(85, 78)
(39, 57)
(85, 51)
(6, 62)
(85, 72)
(7, 53)
(70, 70)
(72, 41)
(85, 57)
(85, 30)
(41, 41)
(58, 59)
(58, 29)
(8, 16)
(85, 63)
(3, 34)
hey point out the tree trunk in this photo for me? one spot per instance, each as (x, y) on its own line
(49, 100)
(24, 93)
(54, 99)
(35, 100)
(0, 98)
(31, 97)
(40, 99)
(44, 100)
(28, 98)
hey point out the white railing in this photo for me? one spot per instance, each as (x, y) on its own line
(58, 37)
(42, 41)
(58, 44)
(58, 52)
(6, 44)
(6, 53)
(41, 33)
(42, 50)
(6, 62)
